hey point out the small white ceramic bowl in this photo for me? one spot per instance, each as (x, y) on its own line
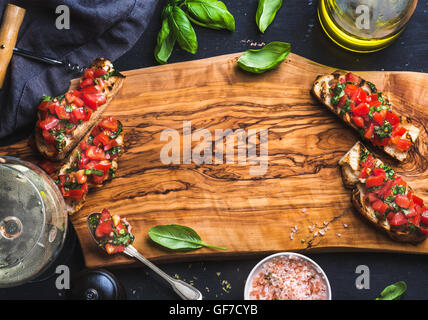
(257, 267)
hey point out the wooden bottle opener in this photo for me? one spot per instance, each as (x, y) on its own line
(12, 20)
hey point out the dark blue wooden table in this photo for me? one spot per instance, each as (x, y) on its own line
(296, 23)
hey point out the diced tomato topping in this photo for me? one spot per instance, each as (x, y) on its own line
(104, 228)
(402, 201)
(398, 131)
(75, 193)
(418, 200)
(361, 109)
(89, 73)
(113, 143)
(392, 118)
(48, 137)
(396, 219)
(61, 112)
(79, 113)
(99, 72)
(386, 190)
(44, 106)
(111, 248)
(379, 118)
(359, 96)
(359, 121)
(371, 197)
(378, 171)
(404, 144)
(86, 82)
(93, 100)
(342, 101)
(350, 90)
(109, 123)
(80, 176)
(98, 179)
(49, 123)
(374, 181)
(350, 77)
(369, 132)
(103, 138)
(380, 206)
(95, 153)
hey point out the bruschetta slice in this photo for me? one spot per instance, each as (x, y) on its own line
(90, 164)
(358, 103)
(63, 121)
(383, 197)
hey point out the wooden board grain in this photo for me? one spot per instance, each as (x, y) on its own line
(228, 206)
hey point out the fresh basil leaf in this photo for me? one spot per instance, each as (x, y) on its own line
(393, 292)
(182, 29)
(177, 237)
(266, 12)
(210, 14)
(264, 59)
(165, 43)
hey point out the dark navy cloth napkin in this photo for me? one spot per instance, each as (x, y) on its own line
(98, 28)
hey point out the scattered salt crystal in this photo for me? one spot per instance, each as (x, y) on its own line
(345, 225)
(338, 234)
(325, 223)
(322, 232)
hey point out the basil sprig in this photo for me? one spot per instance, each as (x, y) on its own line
(393, 292)
(264, 59)
(182, 28)
(177, 19)
(211, 14)
(266, 12)
(165, 43)
(177, 237)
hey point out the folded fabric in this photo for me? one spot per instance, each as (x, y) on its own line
(105, 28)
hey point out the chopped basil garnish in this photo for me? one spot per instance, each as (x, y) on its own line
(68, 108)
(346, 108)
(338, 92)
(46, 98)
(385, 130)
(119, 130)
(90, 139)
(372, 86)
(388, 171)
(114, 73)
(114, 150)
(399, 190)
(389, 200)
(94, 171)
(364, 155)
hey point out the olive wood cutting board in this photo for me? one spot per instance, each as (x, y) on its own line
(281, 209)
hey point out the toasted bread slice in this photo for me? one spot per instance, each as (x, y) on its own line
(351, 169)
(73, 205)
(321, 90)
(112, 87)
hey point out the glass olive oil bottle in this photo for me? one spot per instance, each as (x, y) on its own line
(364, 25)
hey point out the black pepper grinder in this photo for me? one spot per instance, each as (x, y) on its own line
(95, 284)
